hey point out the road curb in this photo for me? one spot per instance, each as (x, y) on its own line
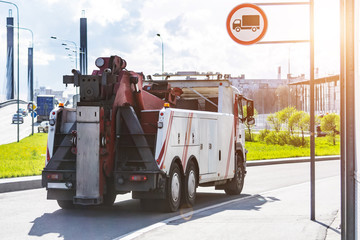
(19, 184)
(290, 160)
(34, 182)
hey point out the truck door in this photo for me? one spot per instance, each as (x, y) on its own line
(212, 146)
(208, 146)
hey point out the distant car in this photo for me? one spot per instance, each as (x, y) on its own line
(44, 126)
(22, 111)
(18, 117)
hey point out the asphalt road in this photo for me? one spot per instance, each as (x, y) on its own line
(28, 215)
(8, 130)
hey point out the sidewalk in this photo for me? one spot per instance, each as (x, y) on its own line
(280, 214)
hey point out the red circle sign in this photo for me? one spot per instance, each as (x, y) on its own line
(246, 24)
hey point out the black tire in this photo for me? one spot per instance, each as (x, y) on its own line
(66, 204)
(110, 195)
(190, 184)
(235, 185)
(173, 189)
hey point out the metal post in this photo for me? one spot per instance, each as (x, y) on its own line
(10, 89)
(312, 114)
(83, 44)
(349, 98)
(162, 53)
(342, 123)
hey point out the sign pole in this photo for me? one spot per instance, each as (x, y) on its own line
(312, 114)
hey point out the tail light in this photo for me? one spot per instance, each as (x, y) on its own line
(54, 176)
(47, 155)
(138, 178)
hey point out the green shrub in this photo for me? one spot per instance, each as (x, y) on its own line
(263, 133)
(283, 138)
(272, 138)
(298, 141)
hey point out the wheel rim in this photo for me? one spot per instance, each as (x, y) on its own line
(191, 184)
(239, 176)
(175, 187)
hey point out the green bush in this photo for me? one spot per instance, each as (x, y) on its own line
(272, 138)
(298, 141)
(263, 133)
(283, 138)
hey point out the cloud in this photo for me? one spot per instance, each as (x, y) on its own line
(42, 58)
(174, 26)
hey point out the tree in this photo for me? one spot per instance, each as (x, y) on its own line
(330, 124)
(248, 126)
(274, 120)
(284, 117)
(300, 120)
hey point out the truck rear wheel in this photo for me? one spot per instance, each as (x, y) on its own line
(235, 185)
(110, 195)
(66, 204)
(173, 189)
(190, 184)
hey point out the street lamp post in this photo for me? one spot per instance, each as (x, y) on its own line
(162, 52)
(18, 79)
(76, 51)
(64, 44)
(30, 74)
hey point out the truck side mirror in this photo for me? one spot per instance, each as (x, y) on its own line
(250, 108)
(251, 121)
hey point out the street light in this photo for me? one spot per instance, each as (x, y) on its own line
(76, 49)
(64, 44)
(18, 79)
(30, 77)
(162, 52)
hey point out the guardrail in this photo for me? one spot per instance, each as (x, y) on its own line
(12, 101)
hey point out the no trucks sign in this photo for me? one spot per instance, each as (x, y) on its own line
(246, 24)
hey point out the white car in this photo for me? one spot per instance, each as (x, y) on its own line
(44, 126)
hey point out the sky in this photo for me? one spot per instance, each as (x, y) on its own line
(193, 32)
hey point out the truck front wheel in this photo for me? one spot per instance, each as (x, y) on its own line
(235, 185)
(173, 189)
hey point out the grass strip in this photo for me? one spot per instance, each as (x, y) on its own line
(27, 157)
(262, 151)
(23, 158)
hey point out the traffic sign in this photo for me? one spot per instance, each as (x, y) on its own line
(246, 24)
(31, 106)
(33, 114)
